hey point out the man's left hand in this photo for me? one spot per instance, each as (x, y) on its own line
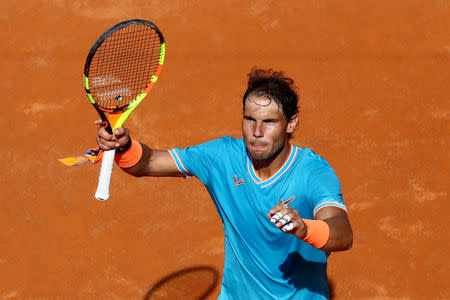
(288, 220)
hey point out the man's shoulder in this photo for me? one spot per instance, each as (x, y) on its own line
(232, 142)
(308, 155)
(311, 160)
(225, 144)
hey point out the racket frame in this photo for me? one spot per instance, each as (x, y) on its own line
(124, 111)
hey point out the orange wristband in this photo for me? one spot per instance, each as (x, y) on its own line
(131, 157)
(318, 233)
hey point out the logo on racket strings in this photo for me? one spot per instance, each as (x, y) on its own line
(105, 80)
(116, 94)
(108, 88)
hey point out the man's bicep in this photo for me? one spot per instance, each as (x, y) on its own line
(341, 235)
(161, 164)
(328, 212)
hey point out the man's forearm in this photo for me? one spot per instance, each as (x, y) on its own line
(341, 235)
(155, 163)
(142, 166)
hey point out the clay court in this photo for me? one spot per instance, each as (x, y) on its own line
(374, 88)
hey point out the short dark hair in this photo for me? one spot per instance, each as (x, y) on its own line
(275, 86)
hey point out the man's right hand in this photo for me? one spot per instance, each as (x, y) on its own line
(106, 141)
(152, 163)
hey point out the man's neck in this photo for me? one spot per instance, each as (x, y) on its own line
(268, 167)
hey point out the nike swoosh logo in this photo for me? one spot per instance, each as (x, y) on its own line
(236, 181)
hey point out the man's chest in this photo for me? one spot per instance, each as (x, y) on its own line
(238, 193)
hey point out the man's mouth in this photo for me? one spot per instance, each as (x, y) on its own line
(258, 145)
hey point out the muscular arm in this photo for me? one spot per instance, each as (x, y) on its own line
(157, 163)
(341, 235)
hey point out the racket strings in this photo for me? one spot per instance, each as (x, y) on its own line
(123, 65)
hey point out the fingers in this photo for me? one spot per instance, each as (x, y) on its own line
(278, 215)
(121, 132)
(122, 137)
(107, 141)
(288, 223)
(287, 219)
(274, 210)
(288, 227)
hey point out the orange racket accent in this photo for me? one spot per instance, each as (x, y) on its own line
(108, 110)
(148, 87)
(152, 83)
(158, 70)
(113, 118)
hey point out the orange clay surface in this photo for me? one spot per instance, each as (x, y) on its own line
(374, 87)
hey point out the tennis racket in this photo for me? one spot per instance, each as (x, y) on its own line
(121, 68)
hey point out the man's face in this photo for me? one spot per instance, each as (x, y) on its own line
(264, 127)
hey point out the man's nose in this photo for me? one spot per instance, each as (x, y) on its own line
(258, 130)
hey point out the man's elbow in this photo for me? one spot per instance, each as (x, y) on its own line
(349, 245)
(345, 243)
(349, 242)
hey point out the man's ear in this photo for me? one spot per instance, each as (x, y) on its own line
(292, 125)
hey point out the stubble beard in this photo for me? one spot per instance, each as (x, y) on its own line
(265, 159)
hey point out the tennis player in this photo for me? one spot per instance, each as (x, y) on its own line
(281, 205)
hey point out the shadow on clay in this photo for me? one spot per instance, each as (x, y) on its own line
(195, 283)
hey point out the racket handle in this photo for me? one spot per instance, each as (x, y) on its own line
(104, 179)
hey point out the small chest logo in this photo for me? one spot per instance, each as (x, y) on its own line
(285, 203)
(236, 181)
